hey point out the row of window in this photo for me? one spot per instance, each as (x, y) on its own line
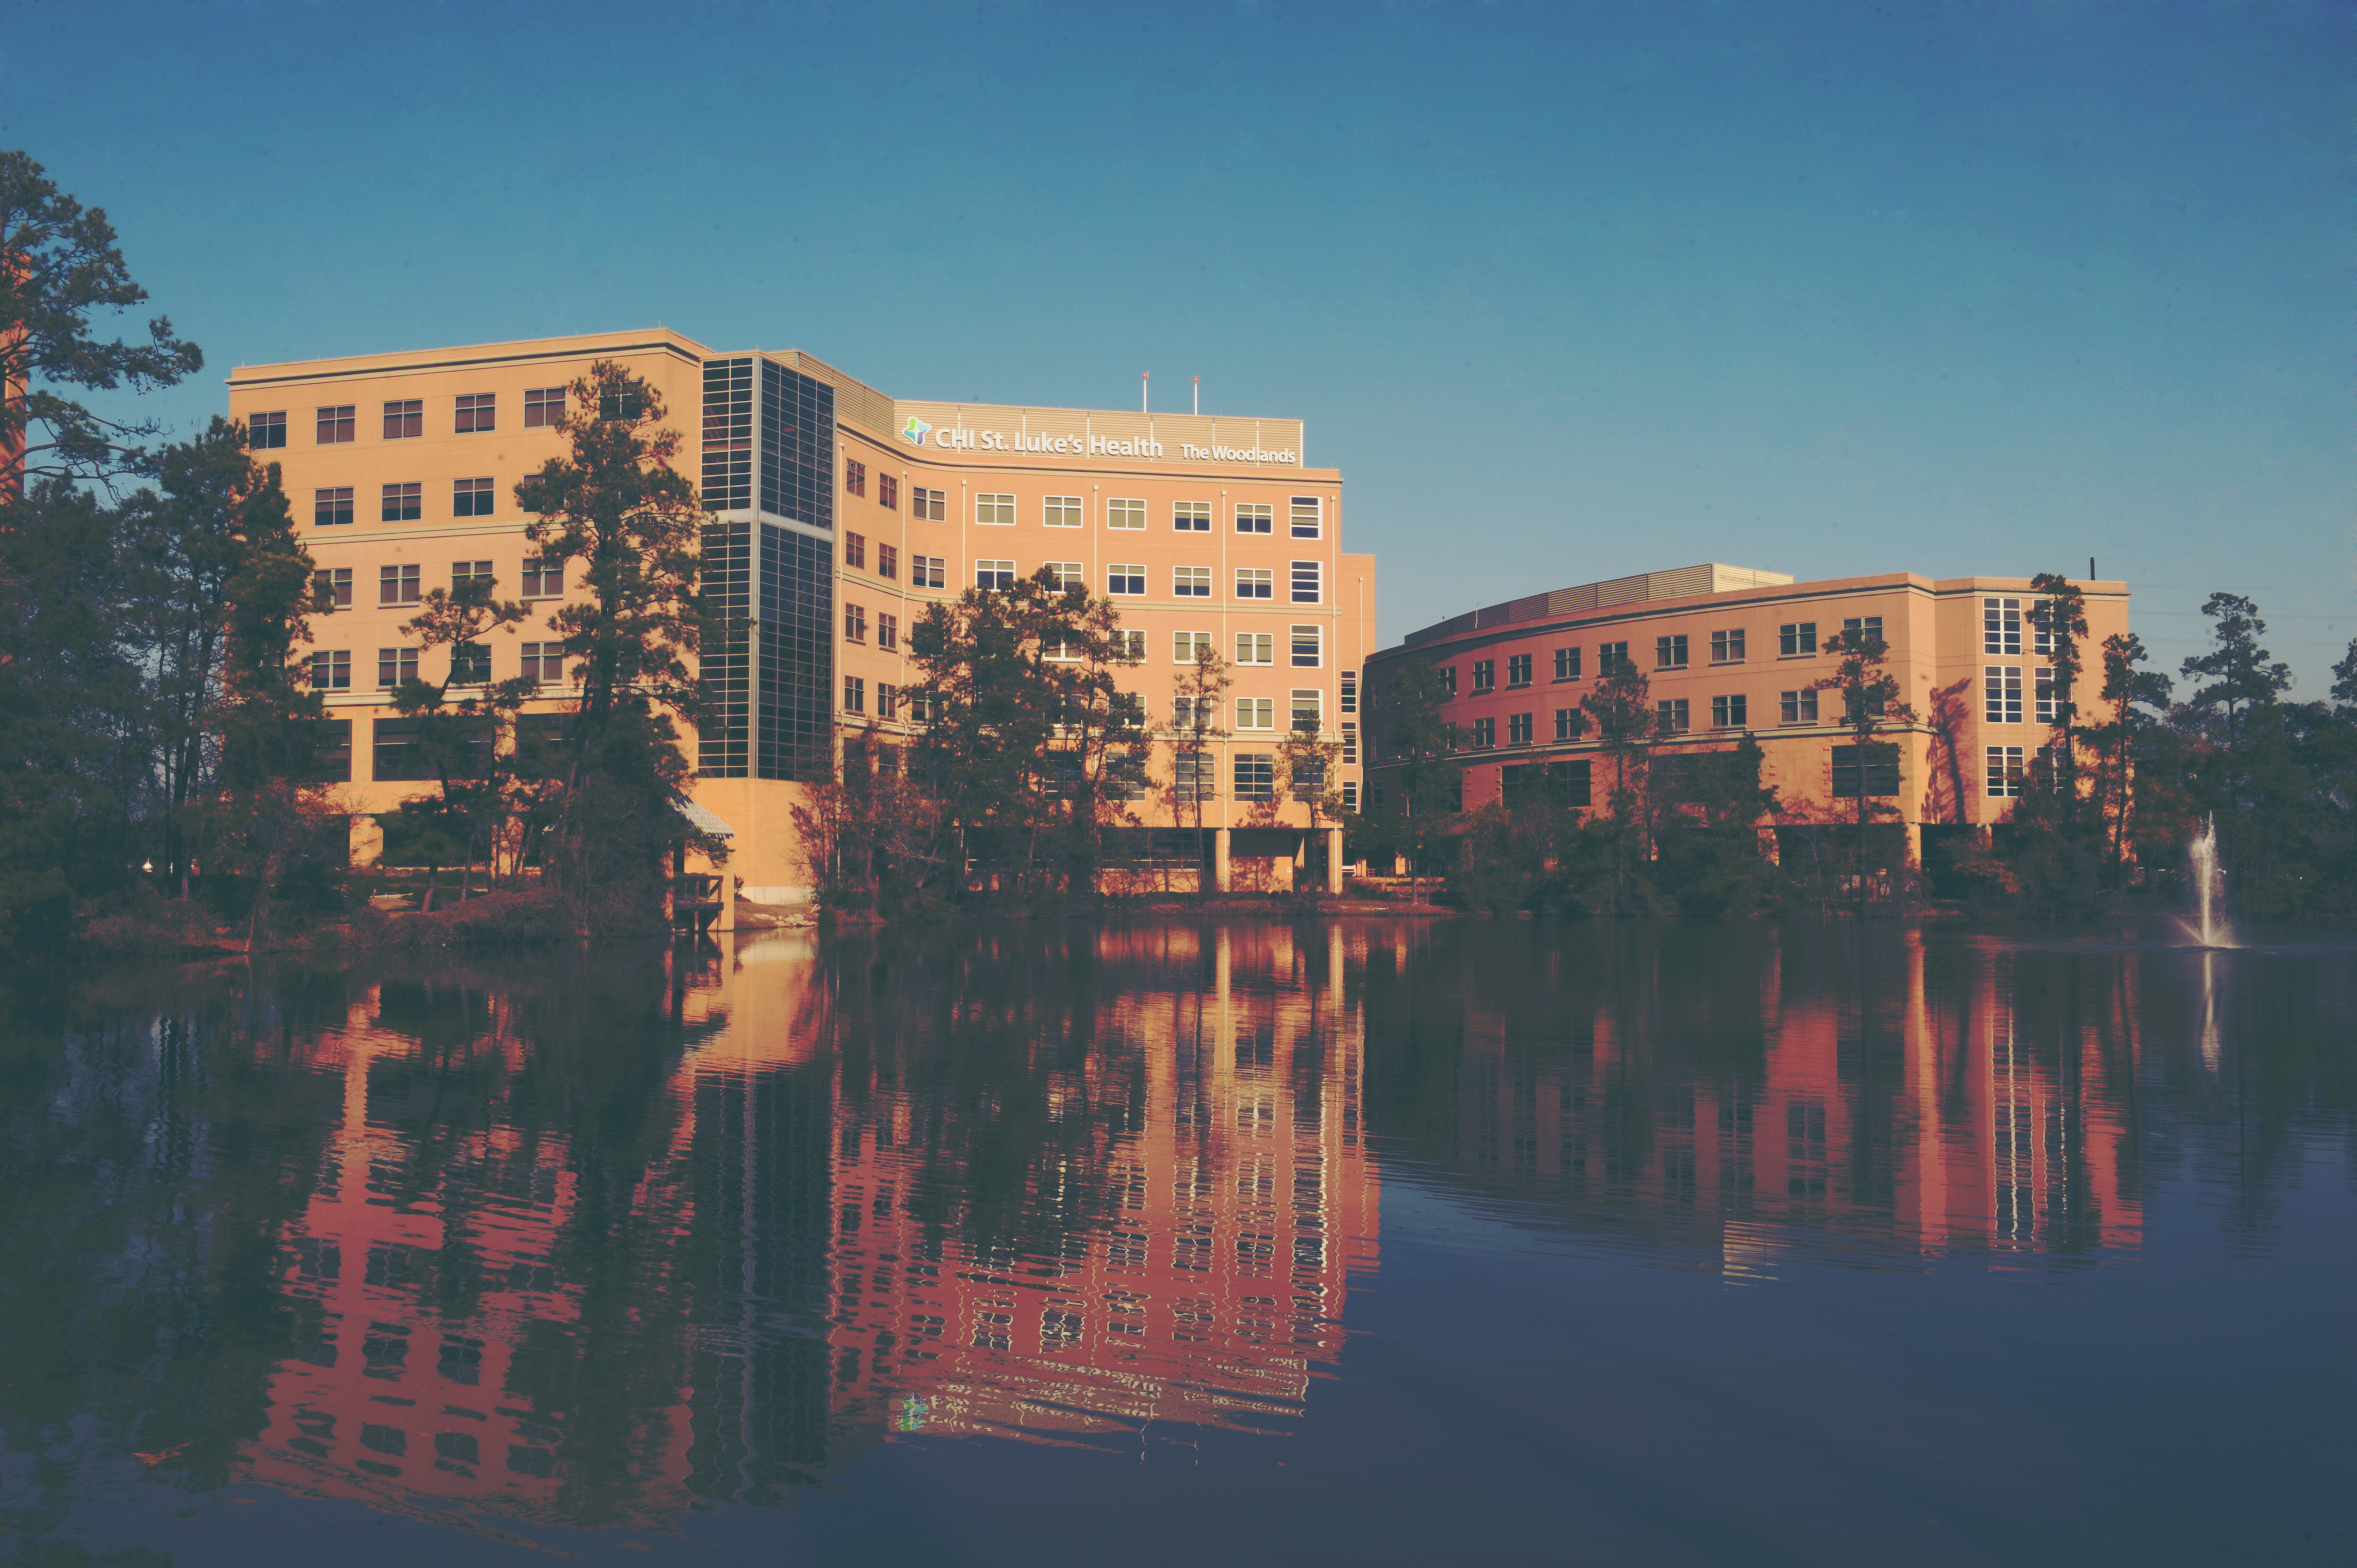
(2001, 621)
(470, 665)
(2001, 694)
(471, 414)
(1305, 580)
(404, 583)
(1673, 716)
(1305, 516)
(1794, 639)
(332, 506)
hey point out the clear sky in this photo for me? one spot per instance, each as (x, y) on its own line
(1565, 291)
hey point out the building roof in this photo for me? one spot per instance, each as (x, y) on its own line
(1678, 583)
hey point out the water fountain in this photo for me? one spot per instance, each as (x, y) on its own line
(2211, 930)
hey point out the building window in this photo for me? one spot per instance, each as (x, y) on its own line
(1255, 582)
(1255, 647)
(465, 572)
(1349, 691)
(1059, 648)
(1485, 733)
(1195, 774)
(1124, 514)
(332, 672)
(1308, 711)
(1671, 716)
(470, 664)
(403, 503)
(887, 697)
(1349, 794)
(1129, 647)
(855, 694)
(1125, 578)
(2005, 771)
(1349, 743)
(330, 508)
(476, 412)
(543, 579)
(1308, 579)
(2044, 690)
(266, 432)
(1611, 658)
(2001, 684)
(1669, 654)
(1252, 517)
(2041, 624)
(1255, 775)
(405, 419)
(1518, 669)
(1570, 724)
(470, 498)
(1189, 714)
(1730, 712)
(1727, 647)
(544, 407)
(994, 573)
(854, 549)
(1566, 663)
(332, 586)
(397, 585)
(928, 571)
(1881, 772)
(336, 424)
(543, 662)
(395, 665)
(1485, 674)
(1798, 708)
(1309, 649)
(1189, 646)
(1061, 511)
(1063, 576)
(1307, 517)
(2000, 626)
(1448, 678)
(1518, 729)
(855, 623)
(888, 491)
(888, 559)
(625, 404)
(1256, 712)
(855, 476)
(994, 511)
(1191, 581)
(888, 630)
(1191, 517)
(1857, 626)
(1796, 640)
(928, 506)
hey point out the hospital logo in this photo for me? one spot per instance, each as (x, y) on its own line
(915, 430)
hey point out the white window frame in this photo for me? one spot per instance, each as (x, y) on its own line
(1255, 647)
(1063, 511)
(1313, 508)
(1122, 571)
(1190, 517)
(2001, 627)
(994, 567)
(1123, 514)
(1256, 714)
(1190, 582)
(1316, 699)
(1262, 515)
(1069, 575)
(1262, 578)
(929, 572)
(1314, 574)
(1315, 641)
(2007, 765)
(1183, 645)
(992, 509)
(2001, 694)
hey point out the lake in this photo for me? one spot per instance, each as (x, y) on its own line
(1172, 1243)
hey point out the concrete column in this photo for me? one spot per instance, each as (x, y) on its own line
(1333, 860)
(1219, 860)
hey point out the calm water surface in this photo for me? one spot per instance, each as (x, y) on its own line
(1171, 1244)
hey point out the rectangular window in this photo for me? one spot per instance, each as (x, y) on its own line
(2005, 771)
(994, 573)
(1123, 514)
(1195, 774)
(1798, 708)
(2000, 626)
(855, 694)
(1065, 576)
(1308, 711)
(477, 412)
(1189, 646)
(544, 407)
(1191, 517)
(1062, 512)
(2001, 686)
(1191, 581)
(397, 585)
(1862, 625)
(1518, 729)
(928, 506)
(1255, 776)
(1570, 724)
(1189, 714)
(855, 480)
(1308, 582)
(470, 498)
(403, 503)
(854, 549)
(928, 571)
(1518, 669)
(1255, 647)
(1309, 647)
(266, 432)
(1129, 647)
(1796, 640)
(855, 623)
(331, 508)
(2044, 689)
(1058, 647)
(888, 491)
(332, 672)
(887, 699)
(405, 419)
(1611, 658)
(1881, 772)
(543, 662)
(1485, 674)
(1730, 712)
(1349, 691)
(1671, 716)
(1125, 578)
(1447, 673)
(543, 579)
(470, 664)
(1256, 712)
(333, 587)
(395, 665)
(465, 572)
(1349, 743)
(1349, 794)
(888, 559)
(1254, 517)
(994, 511)
(888, 630)
(1255, 582)
(1669, 654)
(1727, 647)
(336, 424)
(1566, 663)
(1307, 517)
(1485, 733)
(2041, 622)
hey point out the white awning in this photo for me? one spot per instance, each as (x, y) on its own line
(699, 819)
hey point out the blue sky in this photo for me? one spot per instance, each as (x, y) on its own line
(1565, 291)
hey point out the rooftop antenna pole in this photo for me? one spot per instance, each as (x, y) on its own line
(1199, 394)
(1141, 391)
